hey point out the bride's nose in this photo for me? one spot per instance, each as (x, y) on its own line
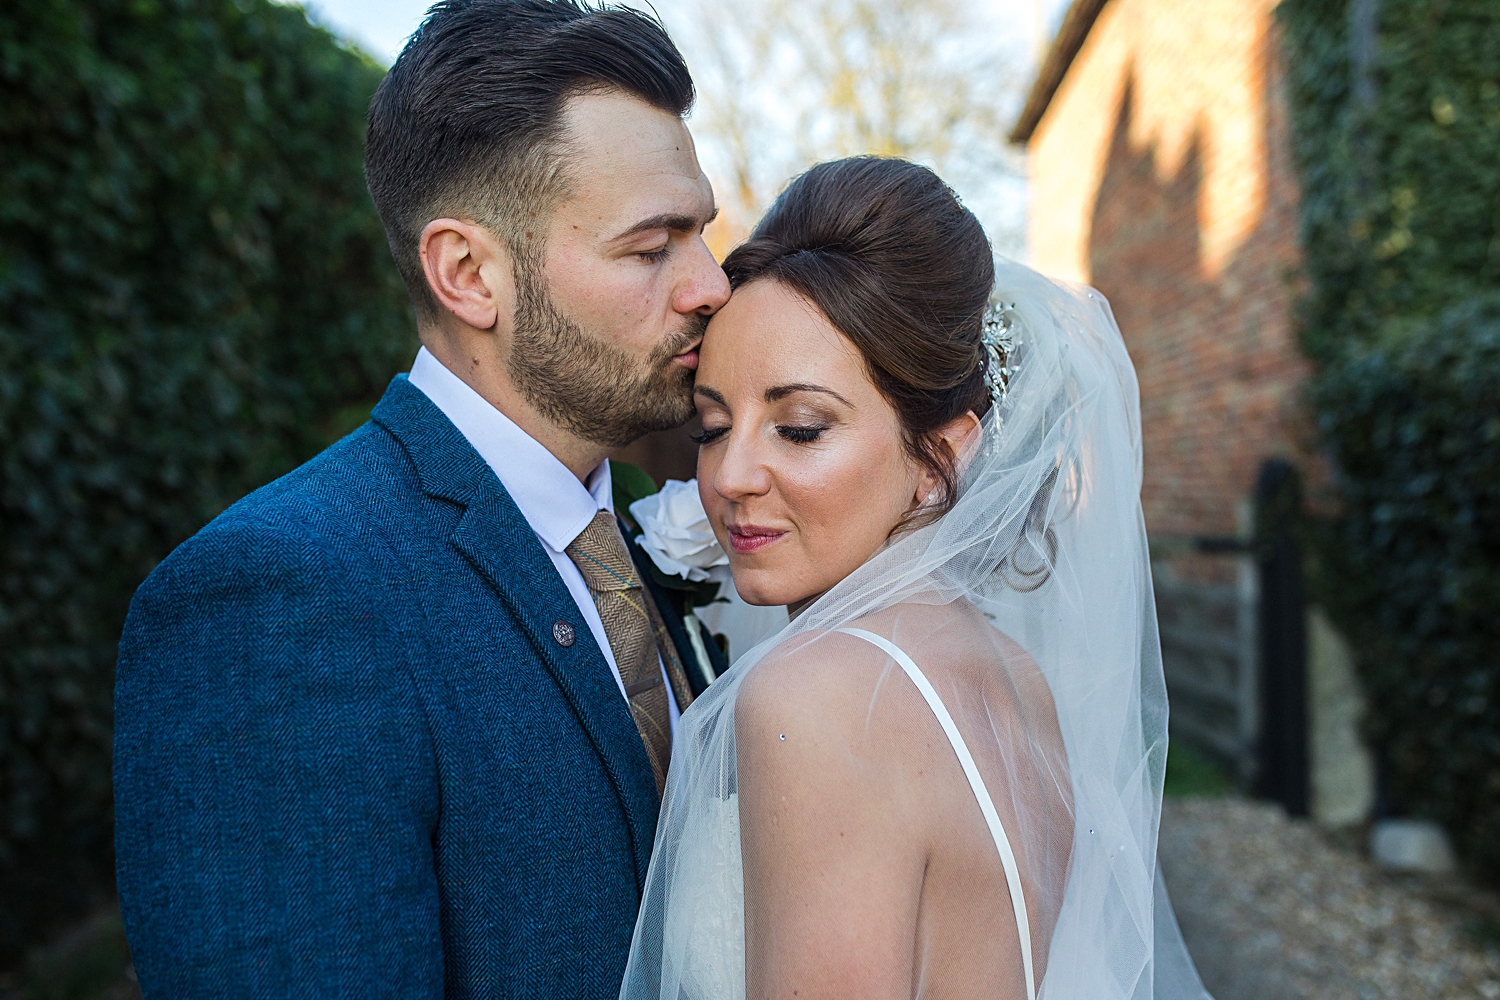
(741, 472)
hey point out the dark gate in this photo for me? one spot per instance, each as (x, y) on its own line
(1232, 615)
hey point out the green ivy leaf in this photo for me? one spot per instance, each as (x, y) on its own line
(630, 483)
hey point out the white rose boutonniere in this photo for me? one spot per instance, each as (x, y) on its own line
(677, 536)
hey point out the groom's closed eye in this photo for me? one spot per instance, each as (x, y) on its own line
(672, 222)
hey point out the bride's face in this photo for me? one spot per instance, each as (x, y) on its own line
(801, 465)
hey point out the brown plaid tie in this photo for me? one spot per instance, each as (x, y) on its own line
(636, 634)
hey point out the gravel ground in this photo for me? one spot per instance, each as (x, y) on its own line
(1274, 909)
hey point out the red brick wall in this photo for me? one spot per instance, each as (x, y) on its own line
(1161, 175)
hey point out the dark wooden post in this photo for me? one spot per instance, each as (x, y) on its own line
(1283, 772)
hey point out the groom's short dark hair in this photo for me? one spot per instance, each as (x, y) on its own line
(468, 121)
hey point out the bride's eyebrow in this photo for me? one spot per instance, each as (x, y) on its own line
(778, 392)
(713, 394)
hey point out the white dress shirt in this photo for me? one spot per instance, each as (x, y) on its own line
(556, 505)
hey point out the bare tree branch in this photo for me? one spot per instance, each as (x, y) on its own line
(786, 83)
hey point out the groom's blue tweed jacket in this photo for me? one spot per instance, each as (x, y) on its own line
(352, 759)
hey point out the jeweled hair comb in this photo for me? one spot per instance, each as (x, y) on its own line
(1000, 342)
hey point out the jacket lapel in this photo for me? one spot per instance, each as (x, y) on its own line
(497, 541)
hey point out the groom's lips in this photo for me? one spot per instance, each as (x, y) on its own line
(750, 537)
(688, 359)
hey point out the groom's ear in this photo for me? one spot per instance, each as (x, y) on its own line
(468, 271)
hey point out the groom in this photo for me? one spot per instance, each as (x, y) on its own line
(397, 724)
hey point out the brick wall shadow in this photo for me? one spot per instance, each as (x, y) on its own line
(1220, 381)
(1220, 374)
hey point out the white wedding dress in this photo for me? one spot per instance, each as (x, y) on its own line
(713, 931)
(1014, 641)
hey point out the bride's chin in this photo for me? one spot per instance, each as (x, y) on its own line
(758, 598)
(763, 589)
(758, 589)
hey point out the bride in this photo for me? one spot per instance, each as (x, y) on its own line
(943, 777)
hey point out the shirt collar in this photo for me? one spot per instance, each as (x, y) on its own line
(556, 505)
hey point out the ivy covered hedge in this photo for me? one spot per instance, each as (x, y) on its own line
(1398, 149)
(195, 295)
(1415, 559)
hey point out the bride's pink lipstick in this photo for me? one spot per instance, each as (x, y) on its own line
(750, 538)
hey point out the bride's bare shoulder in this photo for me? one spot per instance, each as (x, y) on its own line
(841, 682)
(822, 741)
(818, 677)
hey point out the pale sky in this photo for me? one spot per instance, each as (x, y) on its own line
(381, 28)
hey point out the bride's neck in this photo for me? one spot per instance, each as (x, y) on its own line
(797, 607)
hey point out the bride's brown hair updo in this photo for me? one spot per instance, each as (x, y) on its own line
(884, 248)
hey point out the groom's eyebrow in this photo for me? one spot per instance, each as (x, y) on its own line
(675, 222)
(779, 392)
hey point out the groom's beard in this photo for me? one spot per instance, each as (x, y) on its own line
(588, 385)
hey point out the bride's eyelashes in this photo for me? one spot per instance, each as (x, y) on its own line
(801, 434)
(796, 434)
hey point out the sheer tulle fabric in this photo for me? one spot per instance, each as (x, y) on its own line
(1029, 608)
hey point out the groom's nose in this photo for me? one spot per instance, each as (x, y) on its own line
(704, 287)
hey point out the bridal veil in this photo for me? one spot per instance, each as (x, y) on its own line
(1040, 570)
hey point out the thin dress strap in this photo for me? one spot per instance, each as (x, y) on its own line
(986, 804)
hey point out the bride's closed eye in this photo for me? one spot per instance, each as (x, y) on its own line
(803, 434)
(806, 434)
